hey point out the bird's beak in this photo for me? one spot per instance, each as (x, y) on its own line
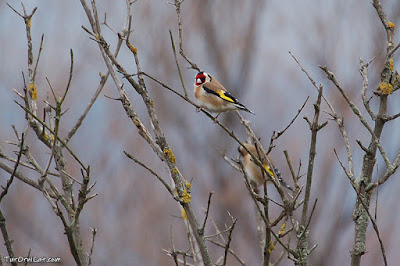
(198, 80)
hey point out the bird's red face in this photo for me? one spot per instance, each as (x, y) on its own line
(201, 78)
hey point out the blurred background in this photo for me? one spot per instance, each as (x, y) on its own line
(245, 45)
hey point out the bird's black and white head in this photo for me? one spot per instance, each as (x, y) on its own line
(201, 78)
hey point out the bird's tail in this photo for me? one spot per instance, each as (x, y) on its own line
(244, 108)
(279, 176)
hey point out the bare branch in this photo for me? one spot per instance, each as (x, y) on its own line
(153, 173)
(70, 77)
(386, 24)
(52, 132)
(294, 177)
(364, 74)
(356, 111)
(374, 225)
(391, 52)
(94, 232)
(311, 214)
(9, 182)
(338, 120)
(177, 5)
(393, 117)
(276, 135)
(229, 239)
(266, 222)
(231, 162)
(21, 177)
(280, 133)
(312, 81)
(38, 57)
(177, 64)
(202, 229)
(7, 241)
(302, 244)
(389, 172)
(362, 146)
(103, 80)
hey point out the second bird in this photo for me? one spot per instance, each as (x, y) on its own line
(212, 96)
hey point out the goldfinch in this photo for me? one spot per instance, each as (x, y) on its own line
(253, 171)
(212, 96)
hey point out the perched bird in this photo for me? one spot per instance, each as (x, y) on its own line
(253, 171)
(212, 96)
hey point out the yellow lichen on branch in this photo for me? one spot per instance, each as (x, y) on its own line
(271, 247)
(391, 64)
(46, 137)
(188, 185)
(183, 214)
(283, 227)
(132, 48)
(28, 23)
(33, 89)
(186, 196)
(169, 156)
(136, 121)
(391, 25)
(385, 88)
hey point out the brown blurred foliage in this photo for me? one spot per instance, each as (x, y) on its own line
(245, 45)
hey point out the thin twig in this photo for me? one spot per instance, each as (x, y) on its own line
(9, 182)
(103, 80)
(177, 64)
(357, 112)
(391, 52)
(94, 232)
(295, 180)
(302, 244)
(364, 73)
(52, 132)
(231, 162)
(377, 194)
(294, 118)
(153, 173)
(38, 57)
(208, 209)
(311, 214)
(229, 239)
(177, 5)
(71, 70)
(335, 117)
(229, 250)
(266, 222)
(374, 225)
(7, 241)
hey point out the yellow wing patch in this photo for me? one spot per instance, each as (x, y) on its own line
(223, 96)
(268, 170)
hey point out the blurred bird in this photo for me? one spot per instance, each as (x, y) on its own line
(253, 171)
(212, 96)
